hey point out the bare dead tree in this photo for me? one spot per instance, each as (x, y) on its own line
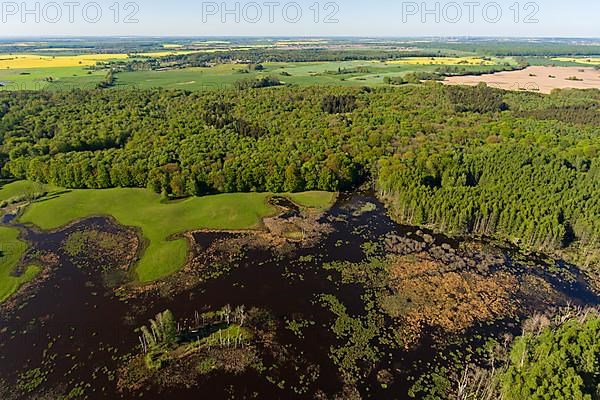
(144, 344)
(477, 384)
(227, 313)
(536, 324)
(240, 315)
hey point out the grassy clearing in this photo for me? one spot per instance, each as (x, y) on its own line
(189, 78)
(49, 78)
(316, 200)
(159, 221)
(11, 250)
(23, 188)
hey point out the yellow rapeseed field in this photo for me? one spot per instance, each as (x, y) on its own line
(442, 61)
(25, 61)
(581, 60)
(166, 53)
(300, 42)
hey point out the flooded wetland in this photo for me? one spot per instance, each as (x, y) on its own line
(339, 304)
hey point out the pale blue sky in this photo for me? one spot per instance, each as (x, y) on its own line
(556, 18)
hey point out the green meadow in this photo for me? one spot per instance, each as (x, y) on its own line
(11, 250)
(49, 78)
(23, 188)
(371, 73)
(160, 220)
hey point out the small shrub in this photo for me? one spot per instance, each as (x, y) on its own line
(206, 366)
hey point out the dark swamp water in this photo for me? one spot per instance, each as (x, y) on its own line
(75, 332)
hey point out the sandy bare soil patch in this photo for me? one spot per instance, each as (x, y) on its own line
(538, 79)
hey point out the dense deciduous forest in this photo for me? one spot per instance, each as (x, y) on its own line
(466, 160)
(555, 360)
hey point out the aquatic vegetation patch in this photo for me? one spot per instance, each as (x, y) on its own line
(31, 380)
(438, 301)
(321, 327)
(424, 295)
(106, 248)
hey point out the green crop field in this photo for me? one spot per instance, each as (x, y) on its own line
(357, 73)
(342, 73)
(49, 78)
(554, 62)
(159, 221)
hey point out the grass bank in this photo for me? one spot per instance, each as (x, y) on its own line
(23, 188)
(160, 221)
(11, 250)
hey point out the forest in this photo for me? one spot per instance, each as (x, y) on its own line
(258, 55)
(516, 166)
(516, 47)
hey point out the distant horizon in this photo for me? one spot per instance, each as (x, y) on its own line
(430, 37)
